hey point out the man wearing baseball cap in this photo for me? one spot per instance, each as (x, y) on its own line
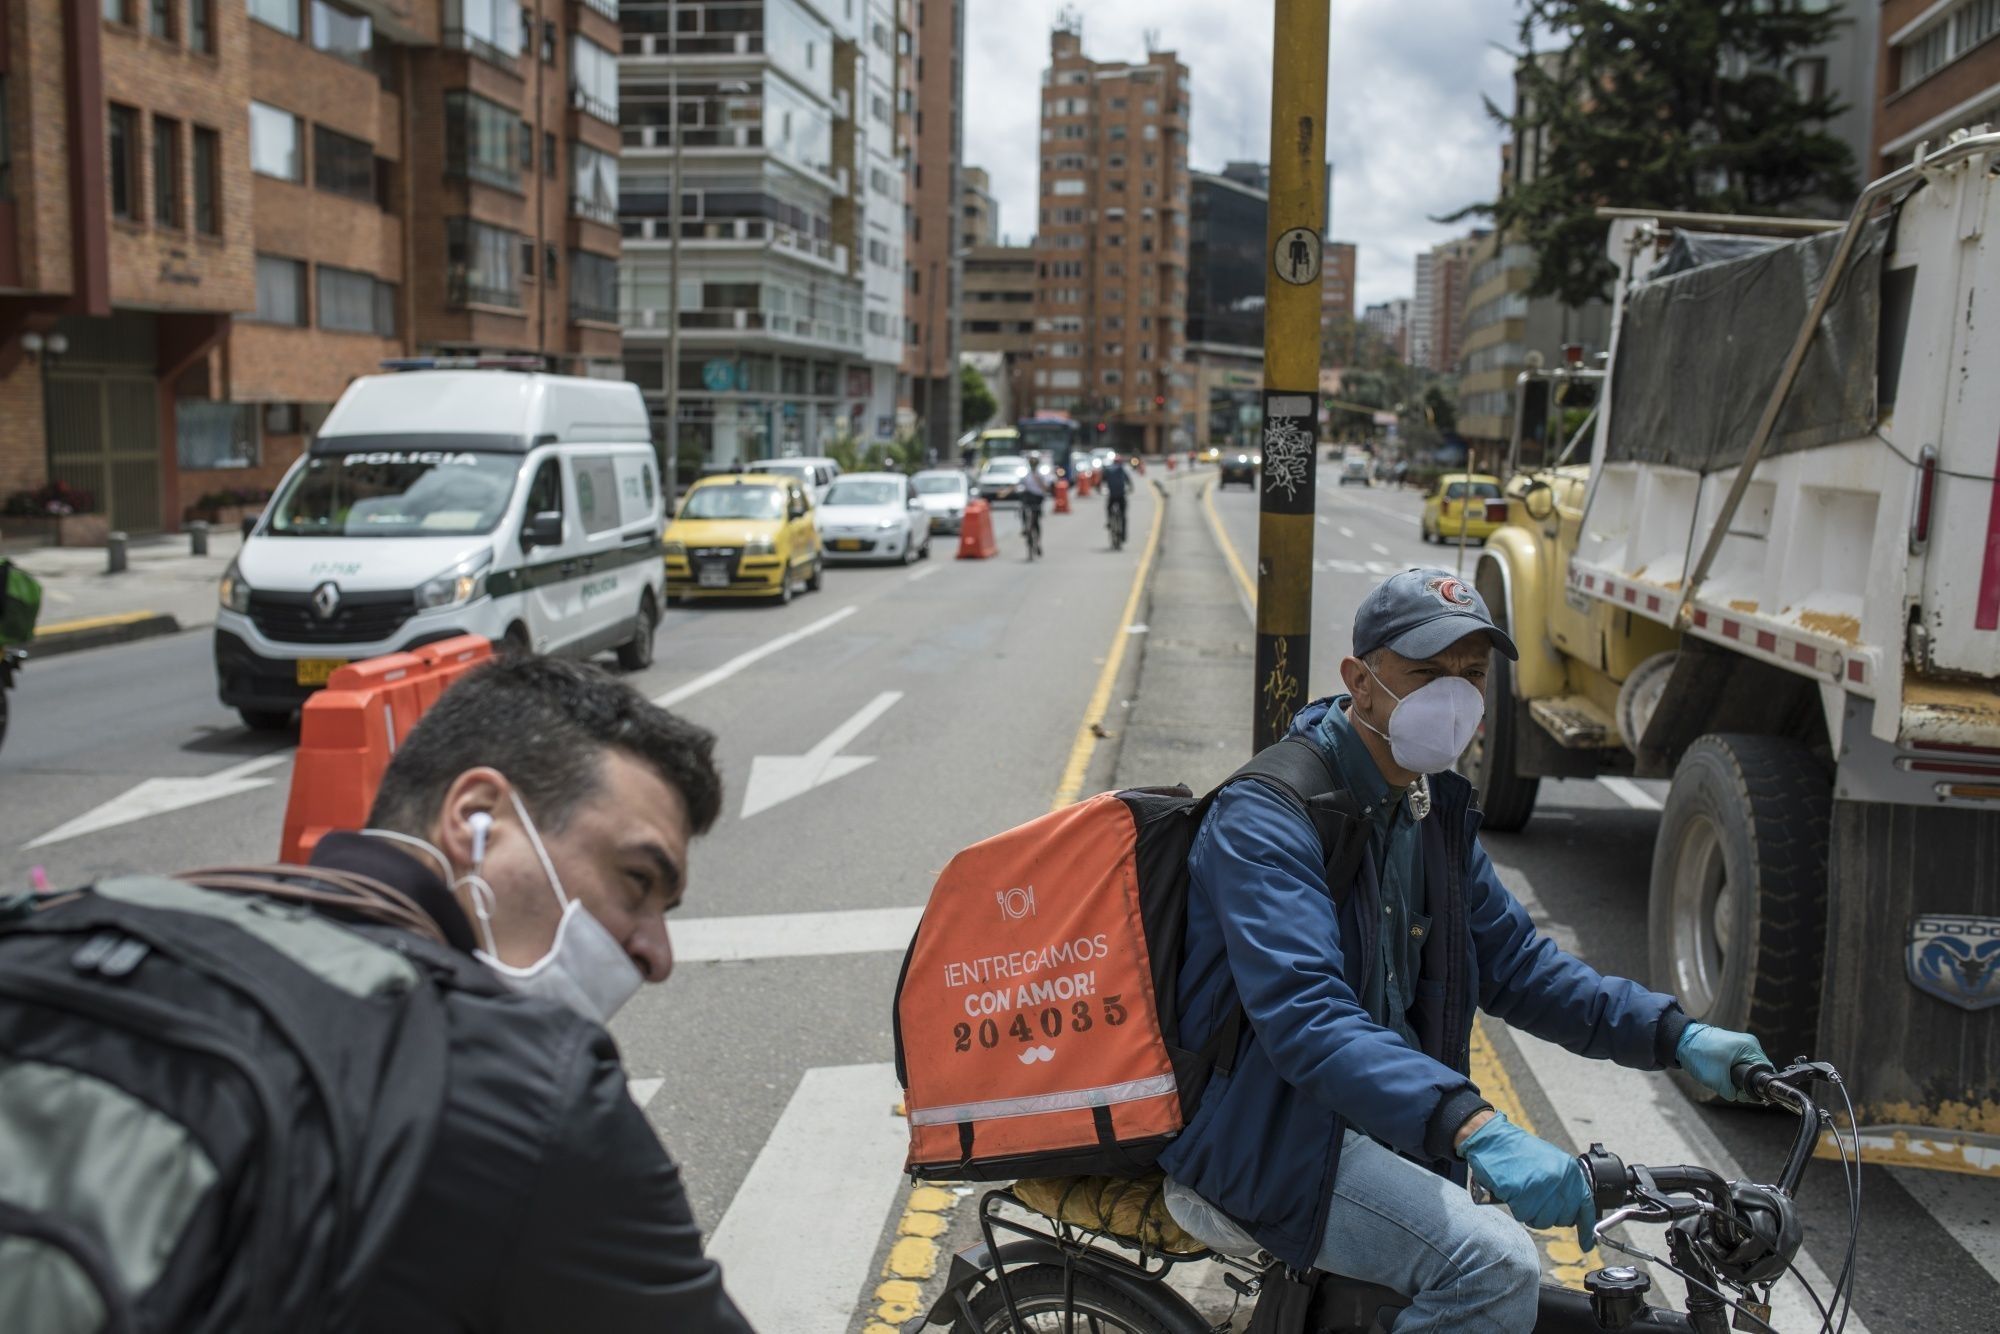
(1342, 1134)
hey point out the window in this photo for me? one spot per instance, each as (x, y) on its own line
(527, 148)
(207, 181)
(593, 78)
(343, 166)
(1956, 31)
(167, 173)
(352, 302)
(114, 11)
(215, 435)
(280, 14)
(593, 287)
(282, 419)
(340, 33)
(479, 140)
(593, 184)
(1069, 187)
(274, 143)
(160, 19)
(201, 27)
(122, 148)
(479, 264)
(490, 29)
(281, 290)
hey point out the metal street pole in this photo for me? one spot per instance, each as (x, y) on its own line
(1287, 487)
(672, 487)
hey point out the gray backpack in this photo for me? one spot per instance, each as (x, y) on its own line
(215, 1098)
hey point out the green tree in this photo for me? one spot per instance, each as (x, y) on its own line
(976, 402)
(1441, 409)
(1667, 104)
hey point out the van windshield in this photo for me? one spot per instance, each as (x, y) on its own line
(395, 493)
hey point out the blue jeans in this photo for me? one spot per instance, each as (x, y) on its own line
(1467, 1268)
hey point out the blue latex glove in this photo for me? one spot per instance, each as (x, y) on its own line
(1707, 1053)
(1542, 1185)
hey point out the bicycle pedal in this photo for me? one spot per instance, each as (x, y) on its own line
(1242, 1287)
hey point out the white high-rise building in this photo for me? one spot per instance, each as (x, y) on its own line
(1423, 307)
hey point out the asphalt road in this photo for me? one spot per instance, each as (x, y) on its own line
(764, 1063)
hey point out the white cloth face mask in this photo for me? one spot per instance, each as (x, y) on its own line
(585, 968)
(1432, 725)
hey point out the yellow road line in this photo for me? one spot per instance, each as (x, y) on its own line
(1100, 699)
(1222, 540)
(1567, 1263)
(92, 623)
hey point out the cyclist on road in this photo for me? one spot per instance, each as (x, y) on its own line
(1116, 483)
(1032, 492)
(541, 813)
(1348, 1116)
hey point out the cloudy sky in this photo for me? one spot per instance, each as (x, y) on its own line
(1406, 130)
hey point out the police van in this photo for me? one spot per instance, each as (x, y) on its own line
(517, 505)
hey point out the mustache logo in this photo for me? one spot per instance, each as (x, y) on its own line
(1033, 1054)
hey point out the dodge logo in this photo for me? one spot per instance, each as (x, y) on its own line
(326, 600)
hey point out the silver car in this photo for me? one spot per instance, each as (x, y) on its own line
(944, 493)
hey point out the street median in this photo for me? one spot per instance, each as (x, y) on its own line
(60, 637)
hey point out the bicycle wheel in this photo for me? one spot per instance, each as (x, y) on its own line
(1100, 1307)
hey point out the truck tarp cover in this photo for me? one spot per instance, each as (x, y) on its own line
(1700, 352)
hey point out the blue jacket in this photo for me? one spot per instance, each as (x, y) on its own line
(1264, 1143)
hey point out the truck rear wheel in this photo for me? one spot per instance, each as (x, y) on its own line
(1506, 798)
(1737, 912)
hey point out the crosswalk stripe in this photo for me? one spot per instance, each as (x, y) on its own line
(1964, 1206)
(1642, 1118)
(1381, 569)
(796, 1241)
(792, 935)
(1629, 792)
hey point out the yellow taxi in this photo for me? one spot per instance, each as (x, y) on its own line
(743, 535)
(1212, 454)
(1468, 503)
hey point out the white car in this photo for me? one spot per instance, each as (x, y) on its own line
(815, 474)
(943, 493)
(874, 516)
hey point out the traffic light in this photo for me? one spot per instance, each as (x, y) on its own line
(1159, 400)
(1100, 426)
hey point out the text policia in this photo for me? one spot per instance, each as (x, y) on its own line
(1068, 1001)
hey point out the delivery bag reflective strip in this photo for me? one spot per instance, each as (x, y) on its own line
(1027, 1019)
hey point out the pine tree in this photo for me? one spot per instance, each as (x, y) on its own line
(1668, 104)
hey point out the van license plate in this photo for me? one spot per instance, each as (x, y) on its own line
(714, 576)
(315, 671)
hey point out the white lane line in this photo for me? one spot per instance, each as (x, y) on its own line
(158, 796)
(1324, 519)
(1965, 1206)
(835, 1158)
(1378, 549)
(925, 574)
(1347, 532)
(742, 660)
(642, 1090)
(1643, 1118)
(793, 935)
(1629, 792)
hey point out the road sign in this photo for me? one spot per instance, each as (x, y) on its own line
(718, 374)
(1296, 256)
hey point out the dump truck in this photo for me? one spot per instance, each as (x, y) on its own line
(1765, 565)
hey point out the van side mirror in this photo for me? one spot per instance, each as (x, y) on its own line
(542, 530)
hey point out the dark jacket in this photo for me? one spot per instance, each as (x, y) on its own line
(549, 1202)
(1264, 1143)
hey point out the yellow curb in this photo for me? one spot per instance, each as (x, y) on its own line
(931, 1200)
(877, 1327)
(922, 1225)
(912, 1257)
(92, 623)
(1228, 547)
(900, 1292)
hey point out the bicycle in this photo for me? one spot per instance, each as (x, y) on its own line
(1114, 520)
(1723, 1237)
(1031, 527)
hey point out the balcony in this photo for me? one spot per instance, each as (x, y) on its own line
(592, 105)
(461, 291)
(720, 44)
(594, 210)
(777, 325)
(608, 8)
(694, 136)
(457, 39)
(756, 232)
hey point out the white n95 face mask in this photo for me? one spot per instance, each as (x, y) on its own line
(1432, 725)
(585, 969)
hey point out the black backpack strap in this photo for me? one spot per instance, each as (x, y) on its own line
(1297, 771)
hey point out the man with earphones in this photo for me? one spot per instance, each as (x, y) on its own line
(1342, 1134)
(541, 814)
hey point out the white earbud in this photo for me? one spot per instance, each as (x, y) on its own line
(481, 822)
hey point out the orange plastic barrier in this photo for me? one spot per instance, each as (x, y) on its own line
(1082, 485)
(1062, 496)
(975, 533)
(349, 731)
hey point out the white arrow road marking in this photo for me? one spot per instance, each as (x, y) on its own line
(642, 1090)
(835, 1158)
(779, 778)
(157, 796)
(742, 660)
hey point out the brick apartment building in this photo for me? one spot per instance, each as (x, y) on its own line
(213, 216)
(1336, 301)
(979, 211)
(998, 324)
(934, 77)
(1939, 71)
(1112, 251)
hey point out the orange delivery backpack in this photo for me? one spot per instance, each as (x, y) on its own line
(1036, 1020)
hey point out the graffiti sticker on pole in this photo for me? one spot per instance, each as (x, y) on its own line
(1296, 256)
(1289, 430)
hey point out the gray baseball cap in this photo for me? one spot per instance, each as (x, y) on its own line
(1422, 612)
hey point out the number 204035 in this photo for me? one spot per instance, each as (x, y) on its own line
(1048, 1023)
